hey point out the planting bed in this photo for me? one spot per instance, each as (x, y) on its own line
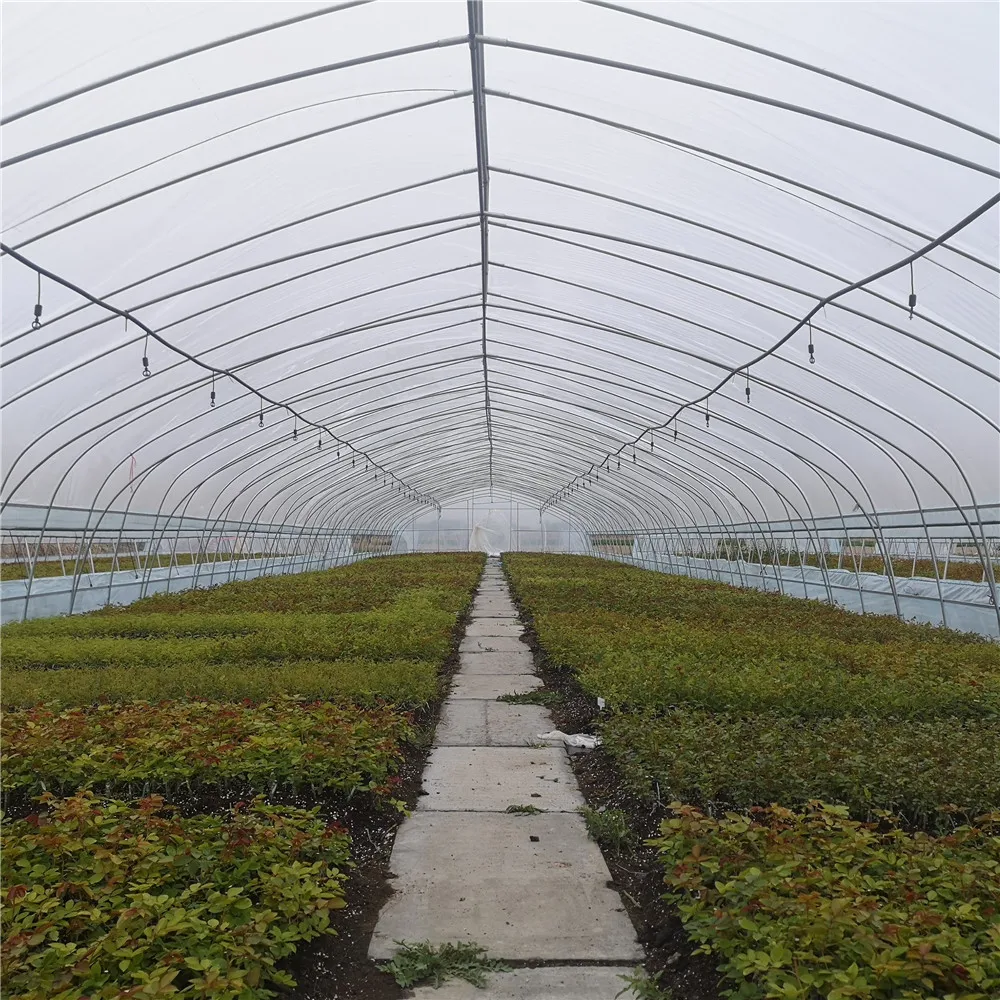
(201, 787)
(730, 717)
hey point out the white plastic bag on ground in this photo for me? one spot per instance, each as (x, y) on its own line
(573, 740)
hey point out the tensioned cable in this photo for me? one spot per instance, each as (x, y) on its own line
(276, 404)
(341, 126)
(176, 56)
(826, 331)
(503, 221)
(242, 242)
(825, 300)
(729, 162)
(221, 95)
(222, 135)
(798, 63)
(736, 92)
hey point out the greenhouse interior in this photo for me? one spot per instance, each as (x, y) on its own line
(500, 500)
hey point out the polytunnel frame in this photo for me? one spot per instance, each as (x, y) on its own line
(477, 41)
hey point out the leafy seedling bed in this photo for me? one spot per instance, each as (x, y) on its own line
(338, 968)
(635, 871)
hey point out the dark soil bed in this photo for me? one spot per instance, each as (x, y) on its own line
(634, 871)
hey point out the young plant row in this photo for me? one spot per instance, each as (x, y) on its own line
(340, 748)
(726, 761)
(859, 561)
(442, 580)
(404, 683)
(637, 662)
(801, 905)
(105, 898)
(409, 634)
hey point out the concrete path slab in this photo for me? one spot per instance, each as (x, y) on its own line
(470, 722)
(491, 686)
(496, 663)
(553, 982)
(492, 644)
(480, 877)
(488, 779)
(494, 627)
(493, 609)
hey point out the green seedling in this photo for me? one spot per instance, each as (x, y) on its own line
(642, 986)
(540, 697)
(422, 962)
(609, 827)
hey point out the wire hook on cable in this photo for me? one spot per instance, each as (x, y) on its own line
(913, 294)
(37, 321)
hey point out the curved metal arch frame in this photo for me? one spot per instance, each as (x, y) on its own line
(858, 428)
(477, 42)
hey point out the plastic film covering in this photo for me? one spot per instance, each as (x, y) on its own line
(645, 268)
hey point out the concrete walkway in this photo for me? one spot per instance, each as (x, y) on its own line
(528, 888)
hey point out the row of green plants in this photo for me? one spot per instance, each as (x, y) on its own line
(404, 683)
(105, 899)
(654, 663)
(644, 594)
(807, 904)
(833, 777)
(410, 633)
(368, 585)
(736, 761)
(135, 729)
(342, 749)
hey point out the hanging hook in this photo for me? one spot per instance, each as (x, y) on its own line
(211, 398)
(260, 423)
(145, 358)
(748, 387)
(812, 355)
(913, 294)
(706, 413)
(37, 321)
(295, 427)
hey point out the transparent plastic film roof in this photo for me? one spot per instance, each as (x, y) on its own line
(637, 265)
